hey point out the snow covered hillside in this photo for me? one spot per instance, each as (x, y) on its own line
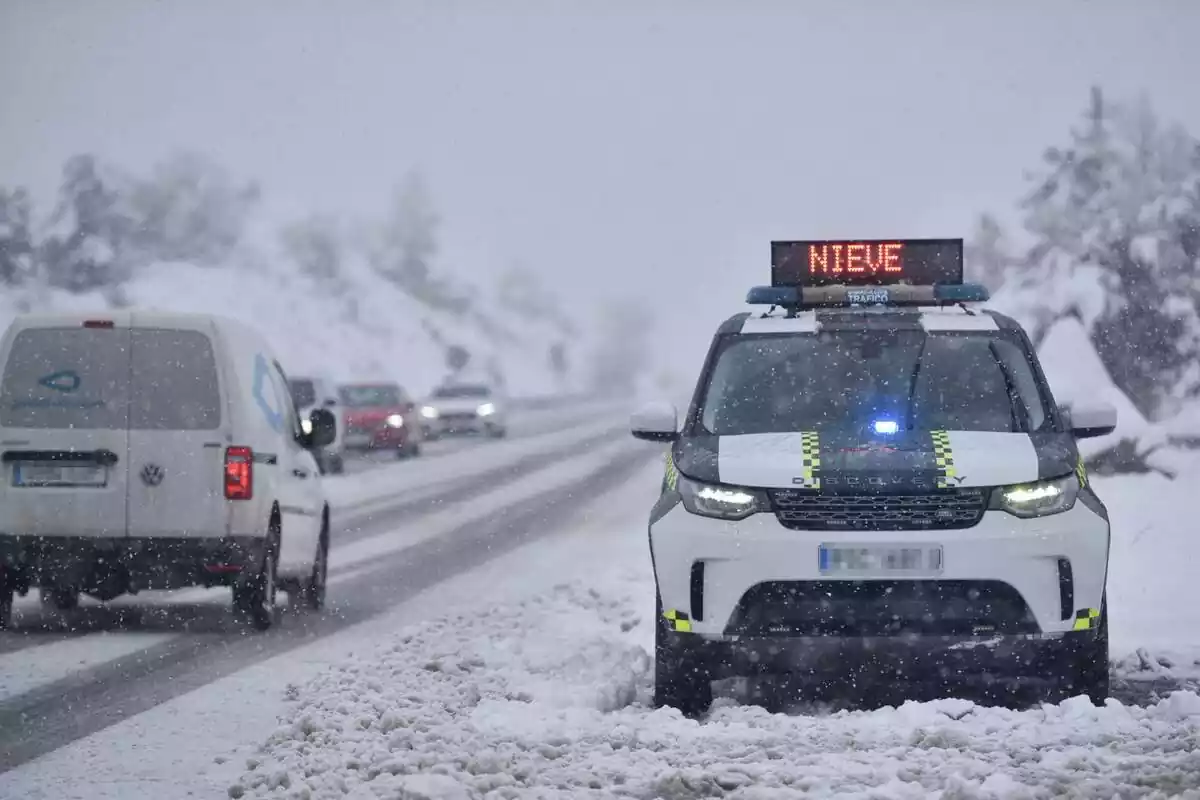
(544, 694)
(365, 328)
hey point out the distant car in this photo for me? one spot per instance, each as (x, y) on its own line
(464, 408)
(380, 416)
(146, 451)
(309, 394)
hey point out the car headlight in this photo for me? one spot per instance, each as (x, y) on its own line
(429, 412)
(1040, 499)
(722, 502)
(306, 425)
(486, 410)
(395, 421)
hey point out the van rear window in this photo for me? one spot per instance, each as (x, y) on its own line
(175, 385)
(67, 378)
(111, 379)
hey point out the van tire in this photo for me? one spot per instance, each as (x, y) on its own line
(337, 464)
(258, 599)
(314, 588)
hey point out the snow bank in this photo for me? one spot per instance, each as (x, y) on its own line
(538, 687)
(1077, 375)
(373, 331)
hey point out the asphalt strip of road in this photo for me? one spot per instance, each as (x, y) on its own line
(60, 713)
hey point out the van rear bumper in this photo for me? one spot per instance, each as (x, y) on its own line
(107, 567)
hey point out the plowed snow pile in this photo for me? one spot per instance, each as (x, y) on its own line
(547, 697)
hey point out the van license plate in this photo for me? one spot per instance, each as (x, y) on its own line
(923, 560)
(59, 475)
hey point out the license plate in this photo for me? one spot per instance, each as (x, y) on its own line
(59, 475)
(868, 296)
(925, 559)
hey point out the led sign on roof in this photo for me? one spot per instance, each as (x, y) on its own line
(873, 262)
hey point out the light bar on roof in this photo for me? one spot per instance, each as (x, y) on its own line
(852, 296)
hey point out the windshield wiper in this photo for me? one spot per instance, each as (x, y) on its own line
(911, 416)
(1020, 414)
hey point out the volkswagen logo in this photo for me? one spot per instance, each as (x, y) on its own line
(153, 474)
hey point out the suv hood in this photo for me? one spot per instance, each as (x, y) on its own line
(841, 461)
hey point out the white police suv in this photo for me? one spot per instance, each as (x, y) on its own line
(873, 475)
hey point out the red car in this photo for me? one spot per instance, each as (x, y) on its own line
(380, 416)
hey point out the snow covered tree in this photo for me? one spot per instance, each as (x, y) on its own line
(622, 357)
(989, 254)
(91, 230)
(16, 240)
(1110, 214)
(189, 209)
(315, 244)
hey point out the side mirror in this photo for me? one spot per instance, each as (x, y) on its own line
(655, 422)
(322, 431)
(1090, 421)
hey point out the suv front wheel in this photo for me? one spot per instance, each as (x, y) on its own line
(681, 679)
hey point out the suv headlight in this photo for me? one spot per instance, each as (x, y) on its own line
(429, 412)
(722, 502)
(486, 410)
(395, 421)
(1040, 499)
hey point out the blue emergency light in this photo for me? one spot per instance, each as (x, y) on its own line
(885, 427)
(849, 296)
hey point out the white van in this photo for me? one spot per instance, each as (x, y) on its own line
(143, 451)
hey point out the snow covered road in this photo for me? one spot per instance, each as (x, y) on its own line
(67, 677)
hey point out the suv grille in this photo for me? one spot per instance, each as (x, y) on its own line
(949, 508)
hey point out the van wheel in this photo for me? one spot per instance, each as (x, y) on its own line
(258, 599)
(337, 464)
(314, 589)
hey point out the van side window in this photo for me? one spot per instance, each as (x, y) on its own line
(292, 419)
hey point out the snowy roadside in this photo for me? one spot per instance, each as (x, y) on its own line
(539, 689)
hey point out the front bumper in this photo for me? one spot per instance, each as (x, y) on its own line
(460, 423)
(755, 582)
(380, 438)
(1021, 658)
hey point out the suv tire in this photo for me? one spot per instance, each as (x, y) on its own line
(681, 680)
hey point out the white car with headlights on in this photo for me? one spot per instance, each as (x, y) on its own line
(873, 477)
(464, 408)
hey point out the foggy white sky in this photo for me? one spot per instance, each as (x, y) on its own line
(611, 145)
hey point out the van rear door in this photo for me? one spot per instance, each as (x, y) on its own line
(177, 430)
(64, 404)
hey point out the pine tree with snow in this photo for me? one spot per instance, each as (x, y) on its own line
(989, 255)
(90, 230)
(16, 238)
(1108, 214)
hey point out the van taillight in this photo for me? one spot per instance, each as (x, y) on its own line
(98, 323)
(239, 473)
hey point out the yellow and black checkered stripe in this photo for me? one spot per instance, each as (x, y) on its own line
(1081, 472)
(678, 621)
(1087, 619)
(943, 456)
(810, 471)
(671, 478)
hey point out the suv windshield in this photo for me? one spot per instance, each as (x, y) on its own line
(845, 380)
(456, 392)
(304, 393)
(370, 396)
